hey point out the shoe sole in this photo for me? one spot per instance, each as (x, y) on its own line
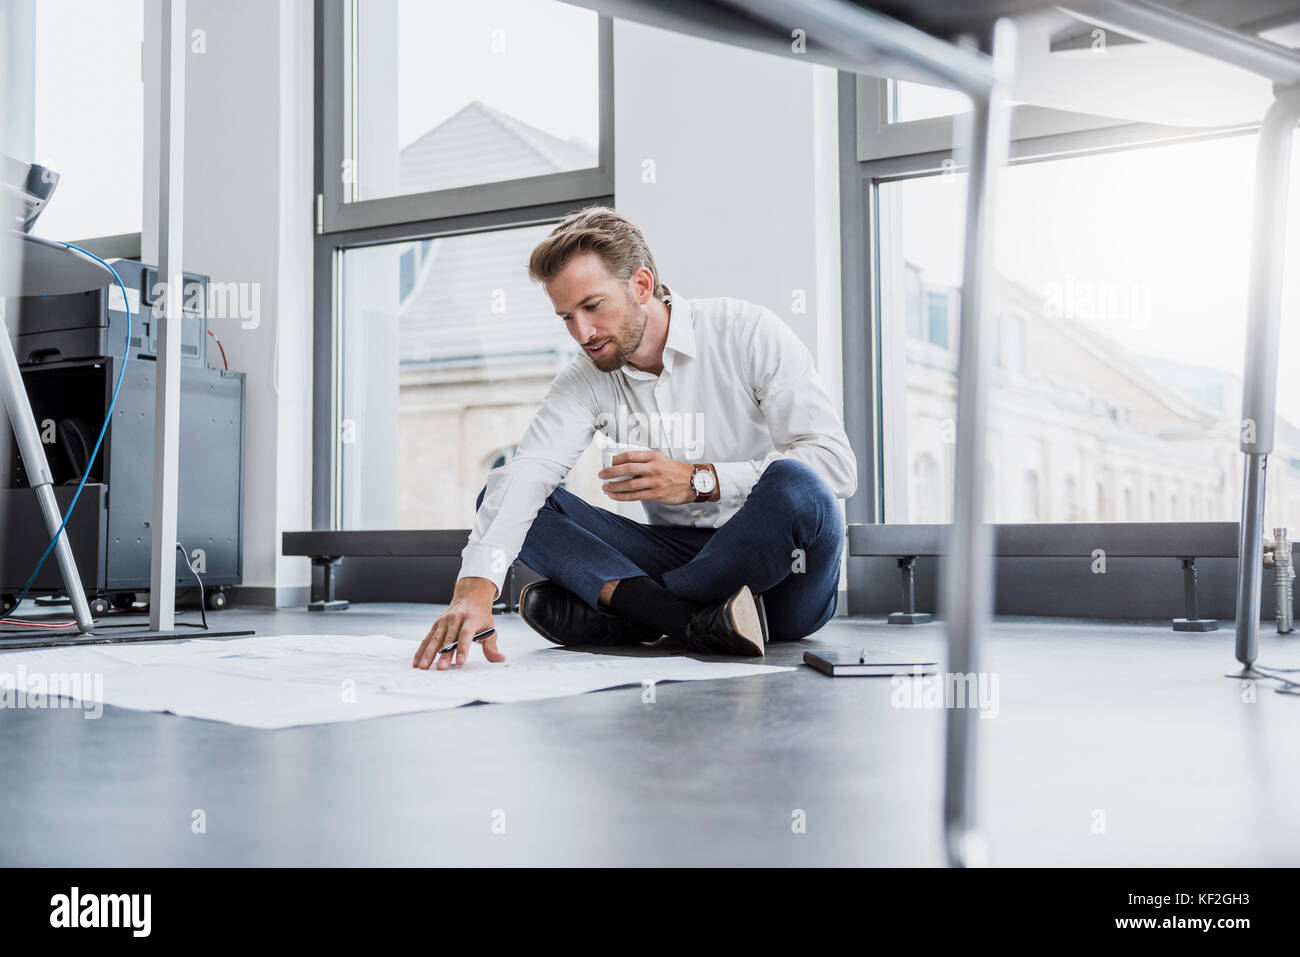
(746, 618)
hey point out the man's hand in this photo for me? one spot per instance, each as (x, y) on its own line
(655, 478)
(469, 613)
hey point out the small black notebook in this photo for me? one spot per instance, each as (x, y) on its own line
(889, 663)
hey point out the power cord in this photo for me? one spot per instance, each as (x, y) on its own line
(1280, 674)
(203, 603)
(215, 338)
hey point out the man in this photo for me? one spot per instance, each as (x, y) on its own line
(746, 457)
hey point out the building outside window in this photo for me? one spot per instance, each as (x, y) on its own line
(1119, 341)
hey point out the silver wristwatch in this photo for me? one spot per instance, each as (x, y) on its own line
(703, 482)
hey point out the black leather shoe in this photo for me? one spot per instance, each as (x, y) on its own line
(736, 626)
(559, 615)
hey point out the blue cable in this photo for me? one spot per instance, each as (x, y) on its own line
(126, 355)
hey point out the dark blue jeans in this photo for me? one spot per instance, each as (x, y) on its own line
(785, 543)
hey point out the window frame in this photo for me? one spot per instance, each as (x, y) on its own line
(879, 138)
(337, 90)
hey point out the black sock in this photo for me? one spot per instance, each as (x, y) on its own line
(645, 601)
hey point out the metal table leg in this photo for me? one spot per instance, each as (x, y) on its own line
(968, 558)
(1259, 389)
(14, 396)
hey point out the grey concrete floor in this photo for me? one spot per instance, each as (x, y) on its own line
(1107, 743)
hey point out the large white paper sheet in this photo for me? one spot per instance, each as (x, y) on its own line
(290, 680)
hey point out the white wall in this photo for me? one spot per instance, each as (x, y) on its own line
(247, 219)
(18, 79)
(745, 197)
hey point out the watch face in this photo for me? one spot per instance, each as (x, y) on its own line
(702, 481)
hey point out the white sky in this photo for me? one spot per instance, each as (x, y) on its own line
(545, 74)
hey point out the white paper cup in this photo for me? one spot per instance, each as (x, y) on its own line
(618, 448)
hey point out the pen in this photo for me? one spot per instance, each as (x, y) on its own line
(479, 637)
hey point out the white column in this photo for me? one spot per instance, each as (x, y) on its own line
(171, 195)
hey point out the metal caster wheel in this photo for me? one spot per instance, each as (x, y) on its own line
(216, 600)
(99, 607)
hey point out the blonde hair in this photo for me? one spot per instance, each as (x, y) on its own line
(597, 229)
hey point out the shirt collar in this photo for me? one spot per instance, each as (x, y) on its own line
(681, 334)
(681, 324)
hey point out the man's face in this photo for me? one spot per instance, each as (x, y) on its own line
(600, 310)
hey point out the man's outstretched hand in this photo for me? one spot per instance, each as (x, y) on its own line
(469, 613)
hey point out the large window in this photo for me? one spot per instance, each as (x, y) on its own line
(446, 349)
(89, 116)
(1119, 344)
(454, 137)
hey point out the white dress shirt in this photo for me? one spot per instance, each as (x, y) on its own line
(738, 390)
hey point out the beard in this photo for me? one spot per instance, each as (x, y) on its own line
(625, 340)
